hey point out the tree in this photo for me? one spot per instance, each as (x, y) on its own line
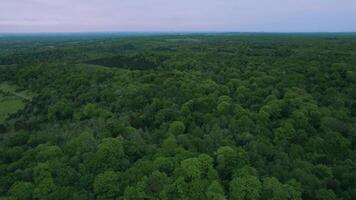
(157, 185)
(110, 154)
(44, 187)
(93, 111)
(21, 190)
(215, 191)
(325, 194)
(46, 153)
(224, 105)
(274, 190)
(226, 161)
(60, 110)
(193, 177)
(245, 187)
(245, 124)
(169, 146)
(84, 142)
(106, 185)
(176, 128)
(44, 183)
(164, 164)
(245, 184)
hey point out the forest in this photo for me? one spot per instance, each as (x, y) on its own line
(178, 116)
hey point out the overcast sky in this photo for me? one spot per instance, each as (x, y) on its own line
(178, 15)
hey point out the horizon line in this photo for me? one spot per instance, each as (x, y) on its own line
(175, 32)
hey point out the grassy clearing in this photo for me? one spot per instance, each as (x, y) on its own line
(7, 87)
(9, 105)
(12, 99)
(14, 90)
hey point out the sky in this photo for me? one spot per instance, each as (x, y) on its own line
(178, 16)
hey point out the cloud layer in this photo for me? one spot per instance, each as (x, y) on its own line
(182, 15)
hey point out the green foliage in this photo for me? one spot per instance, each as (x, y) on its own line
(273, 189)
(106, 185)
(178, 117)
(110, 154)
(176, 128)
(324, 194)
(60, 110)
(43, 188)
(90, 111)
(227, 161)
(215, 191)
(46, 153)
(245, 187)
(21, 190)
(84, 142)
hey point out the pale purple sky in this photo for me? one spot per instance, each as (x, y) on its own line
(178, 15)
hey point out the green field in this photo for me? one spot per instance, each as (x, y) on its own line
(12, 99)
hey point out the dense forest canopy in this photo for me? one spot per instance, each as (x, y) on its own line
(210, 116)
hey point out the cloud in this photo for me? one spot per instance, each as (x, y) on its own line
(183, 15)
